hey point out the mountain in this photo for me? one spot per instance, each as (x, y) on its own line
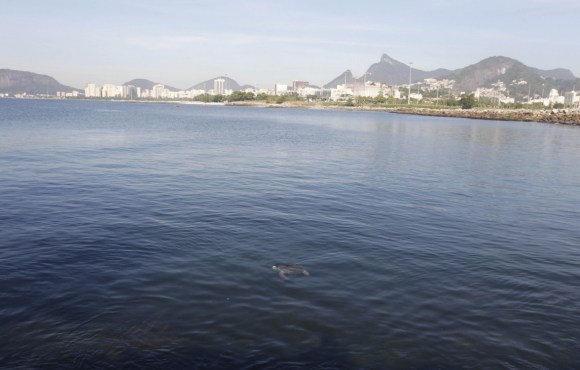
(482, 74)
(508, 70)
(147, 84)
(208, 85)
(392, 72)
(344, 77)
(557, 74)
(18, 82)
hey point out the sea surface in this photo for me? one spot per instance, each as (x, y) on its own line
(143, 236)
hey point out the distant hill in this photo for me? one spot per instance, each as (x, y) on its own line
(147, 84)
(19, 82)
(507, 70)
(557, 74)
(392, 72)
(482, 74)
(208, 85)
(344, 77)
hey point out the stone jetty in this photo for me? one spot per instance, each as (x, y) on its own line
(562, 116)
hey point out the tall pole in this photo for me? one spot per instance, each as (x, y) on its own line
(409, 95)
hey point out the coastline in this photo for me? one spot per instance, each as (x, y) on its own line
(556, 116)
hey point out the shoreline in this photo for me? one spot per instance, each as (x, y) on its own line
(555, 116)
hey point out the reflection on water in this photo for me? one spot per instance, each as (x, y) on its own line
(138, 235)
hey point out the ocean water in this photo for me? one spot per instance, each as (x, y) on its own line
(143, 236)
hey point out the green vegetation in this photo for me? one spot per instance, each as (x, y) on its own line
(467, 101)
(207, 98)
(452, 102)
(241, 96)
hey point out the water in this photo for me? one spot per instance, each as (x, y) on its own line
(142, 236)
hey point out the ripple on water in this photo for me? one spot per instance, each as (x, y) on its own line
(144, 237)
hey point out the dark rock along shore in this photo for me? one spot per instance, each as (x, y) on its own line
(563, 116)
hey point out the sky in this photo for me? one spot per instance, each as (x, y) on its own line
(181, 43)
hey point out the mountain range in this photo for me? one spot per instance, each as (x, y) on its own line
(482, 74)
(386, 70)
(17, 82)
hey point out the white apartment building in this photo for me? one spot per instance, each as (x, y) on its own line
(554, 97)
(196, 92)
(111, 91)
(370, 89)
(572, 99)
(129, 91)
(297, 86)
(309, 90)
(92, 91)
(63, 94)
(219, 86)
(341, 93)
(280, 89)
(158, 91)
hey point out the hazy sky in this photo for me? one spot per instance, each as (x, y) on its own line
(181, 43)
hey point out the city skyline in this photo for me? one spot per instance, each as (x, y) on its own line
(262, 43)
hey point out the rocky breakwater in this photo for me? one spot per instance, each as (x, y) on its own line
(563, 116)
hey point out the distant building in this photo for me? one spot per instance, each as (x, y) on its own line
(92, 91)
(158, 91)
(297, 86)
(129, 91)
(64, 94)
(554, 97)
(308, 91)
(396, 93)
(416, 96)
(219, 86)
(196, 92)
(341, 93)
(571, 98)
(371, 89)
(280, 89)
(109, 91)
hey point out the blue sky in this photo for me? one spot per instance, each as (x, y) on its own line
(181, 43)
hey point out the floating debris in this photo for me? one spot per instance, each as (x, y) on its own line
(284, 270)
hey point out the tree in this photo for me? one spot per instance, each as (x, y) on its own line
(467, 101)
(380, 99)
(451, 102)
(262, 96)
